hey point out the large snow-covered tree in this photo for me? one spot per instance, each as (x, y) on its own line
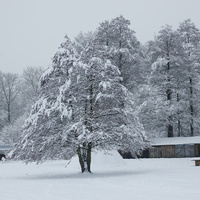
(172, 104)
(190, 40)
(82, 106)
(164, 82)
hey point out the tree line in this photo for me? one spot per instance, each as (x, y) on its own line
(174, 92)
(17, 94)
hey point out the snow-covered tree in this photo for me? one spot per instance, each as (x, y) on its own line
(41, 119)
(172, 108)
(121, 46)
(82, 107)
(190, 40)
(82, 40)
(165, 87)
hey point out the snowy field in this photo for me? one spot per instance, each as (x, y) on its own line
(113, 179)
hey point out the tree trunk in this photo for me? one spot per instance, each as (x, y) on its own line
(84, 155)
(9, 115)
(89, 152)
(169, 98)
(191, 109)
(81, 162)
(84, 151)
(170, 130)
(178, 116)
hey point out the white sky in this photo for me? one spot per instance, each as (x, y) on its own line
(31, 30)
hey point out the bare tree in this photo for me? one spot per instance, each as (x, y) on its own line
(29, 83)
(9, 91)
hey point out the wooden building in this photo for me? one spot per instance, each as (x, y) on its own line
(175, 147)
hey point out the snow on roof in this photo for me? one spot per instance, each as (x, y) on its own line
(175, 141)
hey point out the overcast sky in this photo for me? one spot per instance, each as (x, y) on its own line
(32, 30)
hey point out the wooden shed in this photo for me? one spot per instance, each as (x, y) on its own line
(175, 147)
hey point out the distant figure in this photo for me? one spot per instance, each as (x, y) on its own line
(2, 156)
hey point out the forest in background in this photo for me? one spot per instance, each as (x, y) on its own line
(162, 75)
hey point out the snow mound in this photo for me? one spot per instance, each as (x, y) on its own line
(110, 159)
(100, 160)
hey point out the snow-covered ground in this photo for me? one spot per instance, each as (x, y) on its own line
(113, 179)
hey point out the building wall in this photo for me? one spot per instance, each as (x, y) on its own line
(175, 151)
(155, 152)
(197, 150)
(184, 151)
